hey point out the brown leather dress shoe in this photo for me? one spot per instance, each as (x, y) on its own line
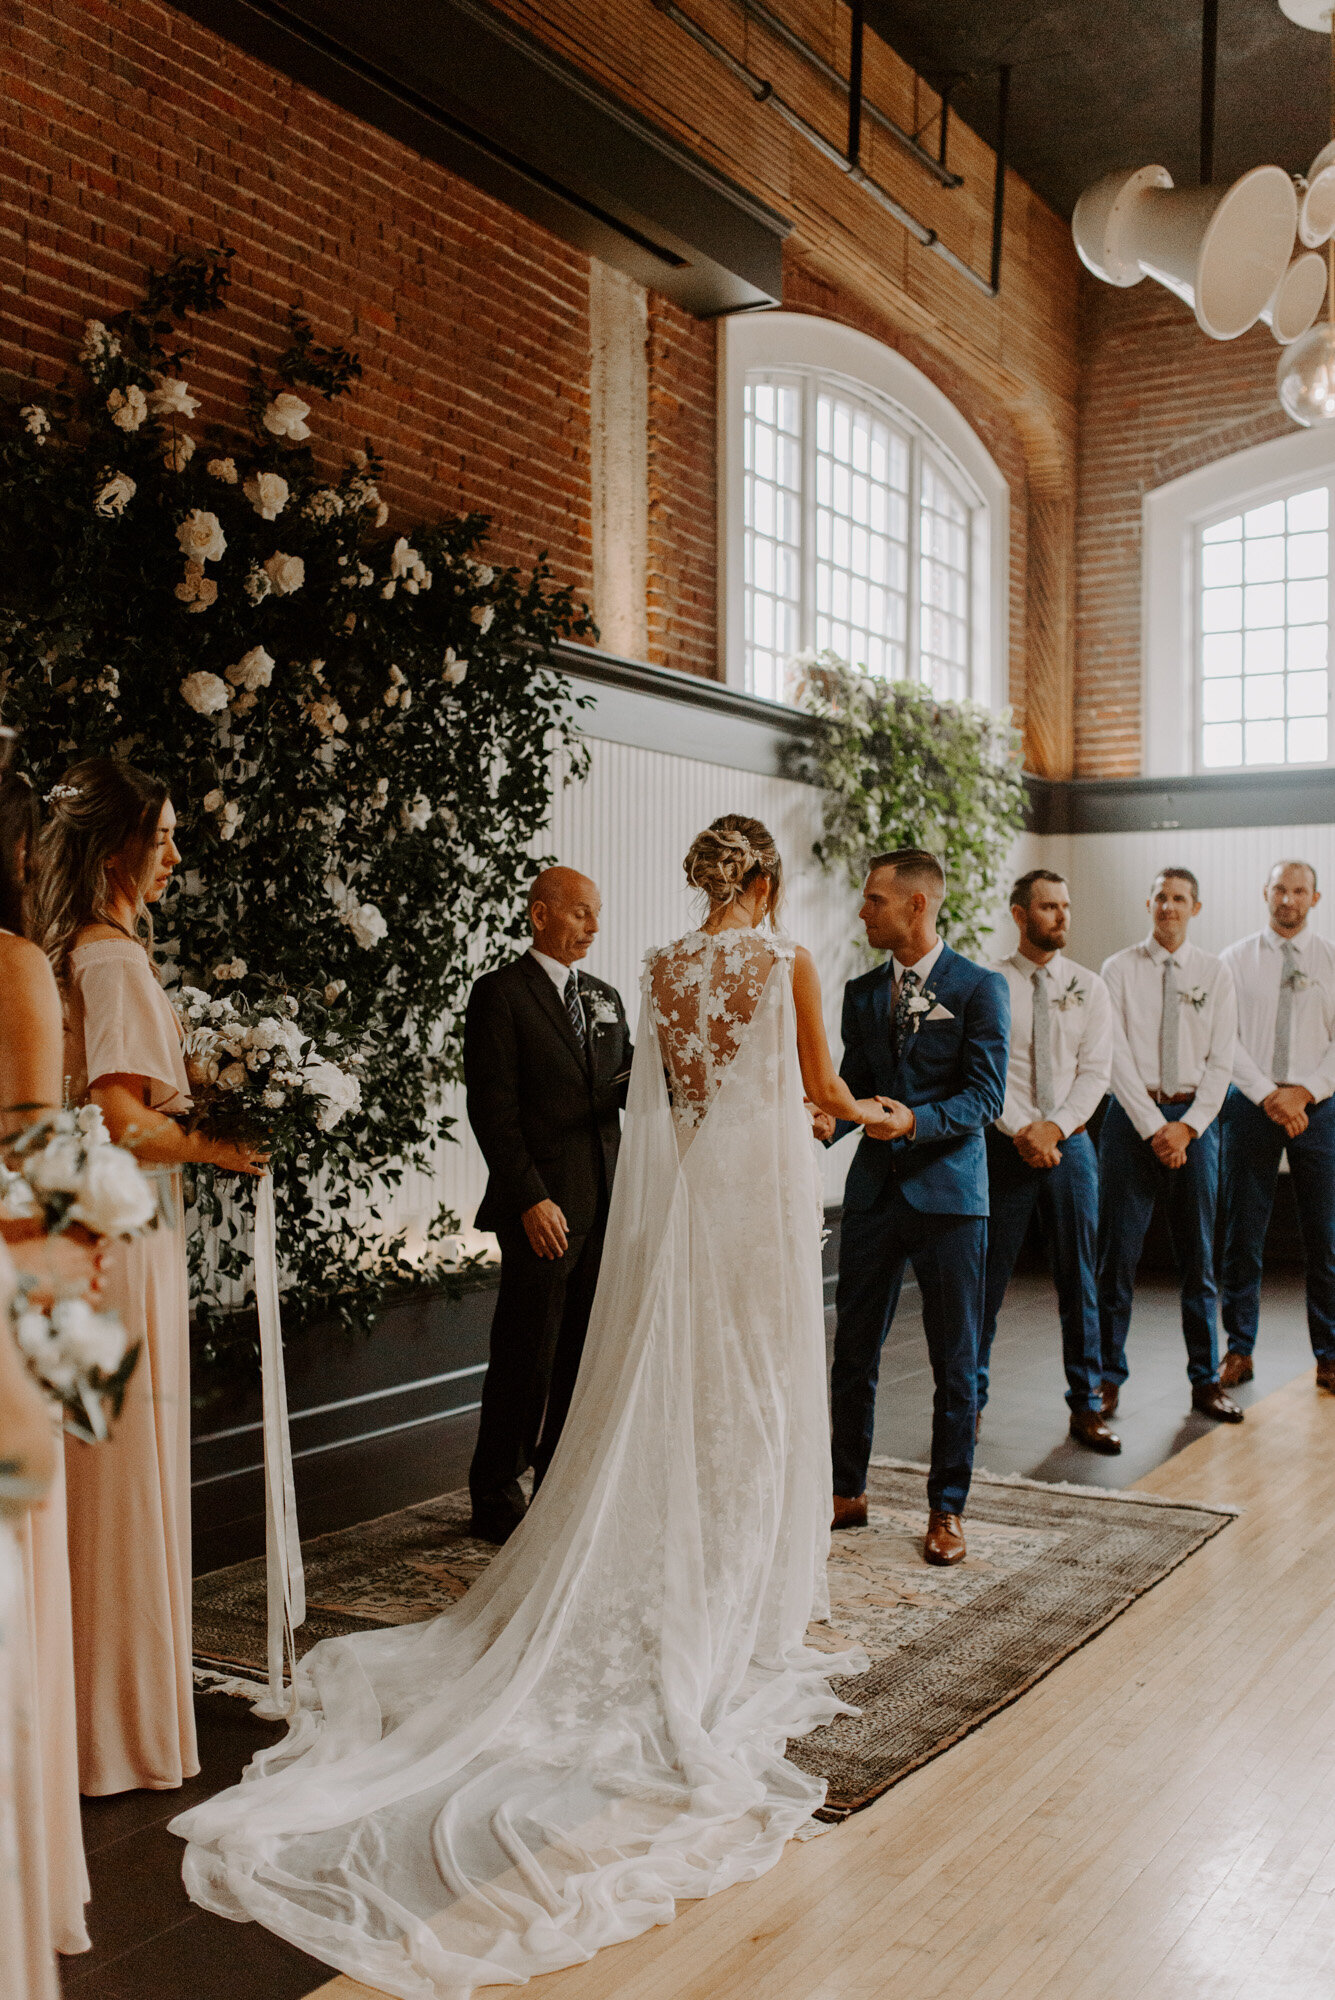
(1210, 1400)
(1111, 1392)
(1325, 1376)
(1235, 1369)
(944, 1543)
(849, 1513)
(1088, 1428)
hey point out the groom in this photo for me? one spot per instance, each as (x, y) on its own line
(929, 1031)
(547, 1056)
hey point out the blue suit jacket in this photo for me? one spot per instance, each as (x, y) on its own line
(952, 1075)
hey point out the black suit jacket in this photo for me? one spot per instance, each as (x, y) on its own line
(546, 1114)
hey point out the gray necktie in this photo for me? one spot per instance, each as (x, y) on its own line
(1170, 1073)
(574, 1009)
(1044, 1094)
(1279, 1068)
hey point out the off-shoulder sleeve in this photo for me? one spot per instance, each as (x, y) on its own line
(129, 1028)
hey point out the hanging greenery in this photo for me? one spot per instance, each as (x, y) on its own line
(899, 767)
(356, 723)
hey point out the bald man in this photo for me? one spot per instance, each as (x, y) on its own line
(547, 1056)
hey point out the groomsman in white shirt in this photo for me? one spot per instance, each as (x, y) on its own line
(1172, 1066)
(1039, 1155)
(1281, 1101)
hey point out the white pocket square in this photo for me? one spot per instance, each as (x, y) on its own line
(939, 1013)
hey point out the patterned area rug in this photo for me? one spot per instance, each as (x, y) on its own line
(1048, 1566)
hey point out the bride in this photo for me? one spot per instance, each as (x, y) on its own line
(598, 1728)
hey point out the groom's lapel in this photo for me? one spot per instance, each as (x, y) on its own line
(547, 997)
(882, 1000)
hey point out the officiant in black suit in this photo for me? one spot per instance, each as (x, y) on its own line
(547, 1056)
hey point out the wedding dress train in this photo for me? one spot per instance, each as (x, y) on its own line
(598, 1727)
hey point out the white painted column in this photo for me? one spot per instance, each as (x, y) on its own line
(619, 434)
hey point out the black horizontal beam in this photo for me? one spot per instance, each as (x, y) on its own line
(459, 84)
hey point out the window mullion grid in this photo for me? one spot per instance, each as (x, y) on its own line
(807, 512)
(913, 610)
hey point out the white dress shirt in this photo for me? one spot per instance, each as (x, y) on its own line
(1207, 1031)
(1257, 963)
(1082, 1043)
(558, 974)
(923, 968)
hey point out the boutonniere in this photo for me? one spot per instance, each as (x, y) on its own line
(1193, 996)
(602, 1013)
(1072, 996)
(1296, 979)
(920, 1004)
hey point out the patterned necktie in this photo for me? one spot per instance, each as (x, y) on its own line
(1044, 1095)
(1170, 1070)
(899, 1022)
(1279, 1068)
(574, 1009)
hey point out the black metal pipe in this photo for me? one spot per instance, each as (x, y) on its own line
(999, 179)
(1209, 68)
(856, 29)
(945, 124)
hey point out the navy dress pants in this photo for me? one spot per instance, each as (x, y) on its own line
(1250, 1148)
(1130, 1176)
(947, 1253)
(1067, 1200)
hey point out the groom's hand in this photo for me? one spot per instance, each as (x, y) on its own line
(545, 1228)
(896, 1122)
(822, 1122)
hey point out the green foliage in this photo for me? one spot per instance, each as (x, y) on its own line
(901, 768)
(360, 759)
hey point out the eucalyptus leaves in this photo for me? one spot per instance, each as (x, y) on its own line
(901, 768)
(356, 723)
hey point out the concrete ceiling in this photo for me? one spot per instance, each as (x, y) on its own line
(1098, 84)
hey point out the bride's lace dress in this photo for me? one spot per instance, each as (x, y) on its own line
(598, 1728)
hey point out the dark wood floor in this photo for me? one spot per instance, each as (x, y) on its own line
(149, 1943)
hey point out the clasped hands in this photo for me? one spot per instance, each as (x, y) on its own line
(1287, 1106)
(883, 1118)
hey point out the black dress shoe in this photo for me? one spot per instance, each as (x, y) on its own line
(1088, 1428)
(494, 1524)
(1211, 1401)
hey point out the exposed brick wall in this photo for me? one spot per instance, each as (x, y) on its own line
(683, 490)
(129, 132)
(1157, 399)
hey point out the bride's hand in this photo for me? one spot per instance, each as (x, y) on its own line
(885, 1118)
(238, 1156)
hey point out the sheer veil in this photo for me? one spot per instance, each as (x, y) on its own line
(598, 1727)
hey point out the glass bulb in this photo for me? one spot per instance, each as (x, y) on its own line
(1306, 377)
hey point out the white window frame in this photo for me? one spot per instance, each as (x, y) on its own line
(802, 344)
(1172, 517)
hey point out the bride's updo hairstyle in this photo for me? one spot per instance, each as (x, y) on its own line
(101, 809)
(729, 856)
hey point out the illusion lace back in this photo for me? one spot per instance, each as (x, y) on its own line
(597, 1729)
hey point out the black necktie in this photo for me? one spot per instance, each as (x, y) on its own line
(574, 1009)
(899, 1021)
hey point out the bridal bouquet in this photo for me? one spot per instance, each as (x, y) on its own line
(65, 1170)
(81, 1359)
(254, 1074)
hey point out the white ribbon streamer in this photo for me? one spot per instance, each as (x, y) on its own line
(282, 1542)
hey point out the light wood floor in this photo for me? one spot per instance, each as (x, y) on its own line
(1155, 1821)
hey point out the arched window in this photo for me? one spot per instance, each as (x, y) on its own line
(1237, 568)
(863, 515)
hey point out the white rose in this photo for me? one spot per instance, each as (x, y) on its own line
(35, 421)
(128, 407)
(452, 667)
(286, 417)
(253, 670)
(93, 1125)
(201, 537)
(366, 924)
(233, 1077)
(267, 493)
(224, 469)
(285, 573)
(482, 616)
(116, 494)
(92, 1342)
(231, 968)
(57, 1167)
(114, 1198)
(171, 398)
(336, 1091)
(205, 693)
(178, 452)
(213, 800)
(481, 573)
(32, 1331)
(333, 989)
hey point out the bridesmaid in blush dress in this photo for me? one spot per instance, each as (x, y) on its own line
(31, 1055)
(107, 853)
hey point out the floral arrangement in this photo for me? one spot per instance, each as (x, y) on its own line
(66, 1171)
(80, 1358)
(356, 717)
(258, 1076)
(900, 767)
